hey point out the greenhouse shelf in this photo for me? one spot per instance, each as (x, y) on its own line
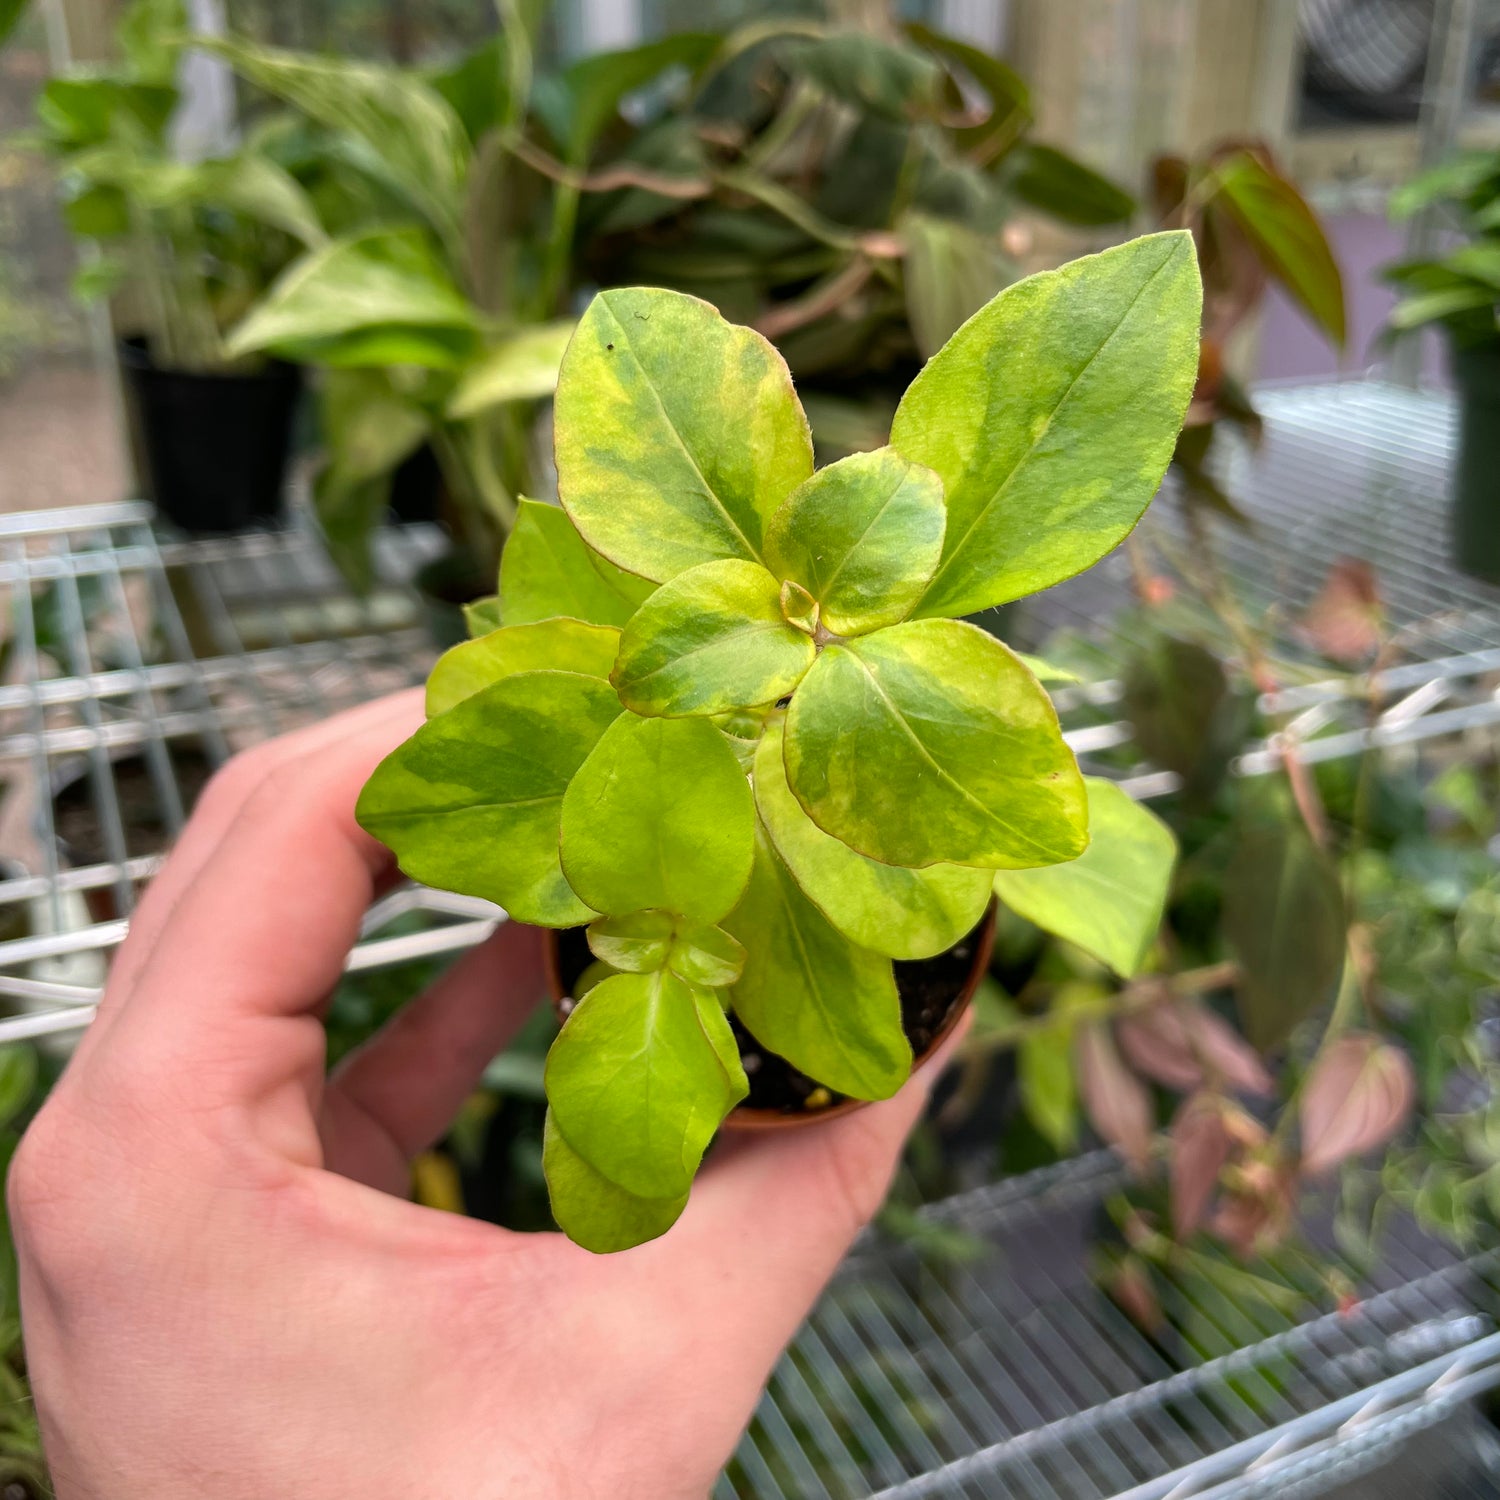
(1009, 1374)
(125, 647)
(1006, 1373)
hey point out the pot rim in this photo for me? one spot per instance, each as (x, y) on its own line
(742, 1119)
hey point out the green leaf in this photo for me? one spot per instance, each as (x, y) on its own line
(349, 511)
(950, 272)
(1045, 671)
(1287, 237)
(1059, 185)
(257, 187)
(483, 615)
(711, 640)
(863, 536)
(706, 955)
(798, 608)
(591, 1210)
(18, 1079)
(547, 569)
(375, 281)
(809, 995)
(559, 645)
(636, 943)
(1109, 900)
(11, 12)
(1452, 181)
(659, 815)
(411, 139)
(1433, 307)
(639, 1079)
(477, 86)
(1284, 917)
(678, 434)
(893, 911)
(150, 34)
(929, 742)
(592, 88)
(369, 427)
(472, 801)
(522, 367)
(1049, 1090)
(1010, 98)
(893, 82)
(1051, 416)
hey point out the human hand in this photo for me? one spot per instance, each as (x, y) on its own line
(224, 1289)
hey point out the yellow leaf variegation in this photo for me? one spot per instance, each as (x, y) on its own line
(717, 712)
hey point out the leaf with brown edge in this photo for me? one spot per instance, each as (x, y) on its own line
(1200, 1145)
(1181, 1044)
(1117, 1102)
(1358, 1095)
(1345, 622)
(1287, 237)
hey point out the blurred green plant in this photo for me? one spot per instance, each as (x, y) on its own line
(190, 245)
(851, 190)
(830, 183)
(1459, 288)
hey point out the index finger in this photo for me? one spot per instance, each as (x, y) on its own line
(258, 937)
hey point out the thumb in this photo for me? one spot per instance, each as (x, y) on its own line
(775, 1215)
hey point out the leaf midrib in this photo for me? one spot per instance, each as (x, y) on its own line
(988, 813)
(752, 554)
(1022, 458)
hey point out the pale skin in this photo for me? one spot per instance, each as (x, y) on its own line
(224, 1287)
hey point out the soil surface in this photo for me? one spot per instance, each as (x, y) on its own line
(929, 990)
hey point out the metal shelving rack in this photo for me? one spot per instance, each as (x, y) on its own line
(1009, 1376)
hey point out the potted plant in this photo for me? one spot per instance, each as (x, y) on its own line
(183, 247)
(853, 189)
(1458, 292)
(437, 311)
(728, 721)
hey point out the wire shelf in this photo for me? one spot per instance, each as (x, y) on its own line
(1014, 1375)
(134, 664)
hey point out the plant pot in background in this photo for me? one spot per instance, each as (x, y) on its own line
(1476, 478)
(215, 446)
(445, 585)
(935, 993)
(79, 831)
(417, 487)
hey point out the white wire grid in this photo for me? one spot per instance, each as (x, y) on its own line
(136, 665)
(1011, 1376)
(1015, 1376)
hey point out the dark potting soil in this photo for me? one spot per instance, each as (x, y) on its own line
(929, 989)
(76, 818)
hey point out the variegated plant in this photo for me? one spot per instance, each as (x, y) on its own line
(721, 712)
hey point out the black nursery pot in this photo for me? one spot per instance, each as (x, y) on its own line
(215, 447)
(1476, 479)
(445, 585)
(935, 993)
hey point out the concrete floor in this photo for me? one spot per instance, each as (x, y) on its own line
(60, 440)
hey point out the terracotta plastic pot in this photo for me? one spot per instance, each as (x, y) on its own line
(981, 939)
